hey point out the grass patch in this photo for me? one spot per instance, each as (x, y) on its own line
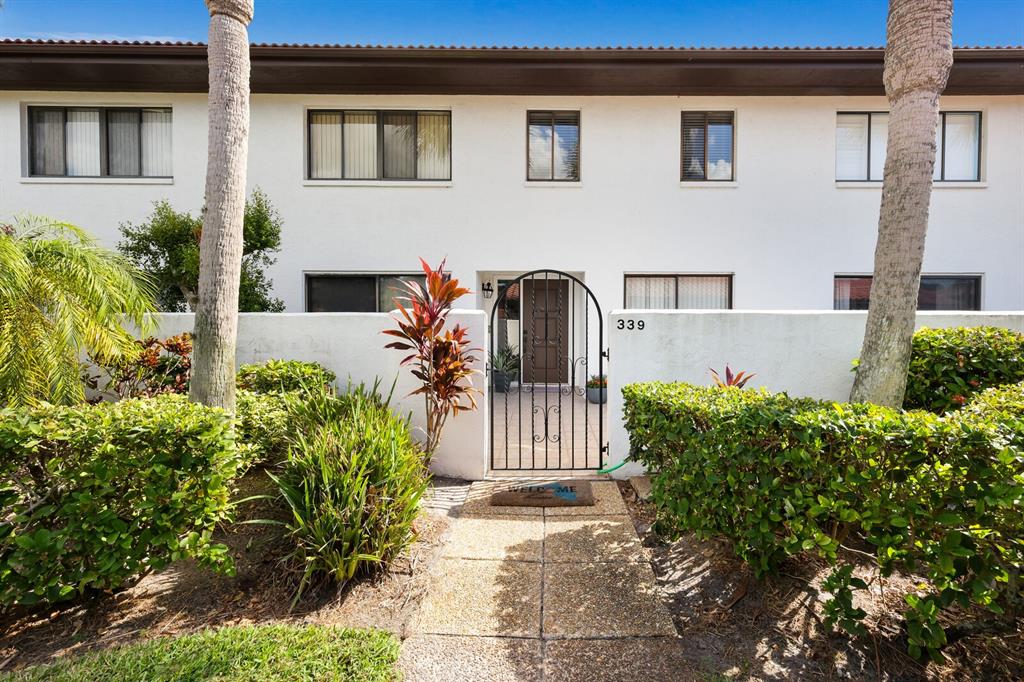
(263, 653)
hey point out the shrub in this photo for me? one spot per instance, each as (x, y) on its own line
(282, 376)
(948, 366)
(160, 367)
(353, 480)
(940, 496)
(262, 652)
(263, 426)
(95, 496)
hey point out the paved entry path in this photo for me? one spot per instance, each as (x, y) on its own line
(552, 594)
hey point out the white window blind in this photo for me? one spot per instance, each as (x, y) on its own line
(851, 146)
(324, 145)
(48, 142)
(960, 156)
(360, 145)
(123, 143)
(672, 292)
(156, 143)
(433, 156)
(83, 142)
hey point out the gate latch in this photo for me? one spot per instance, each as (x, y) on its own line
(606, 354)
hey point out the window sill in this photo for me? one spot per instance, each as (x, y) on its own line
(703, 184)
(935, 185)
(376, 183)
(553, 183)
(95, 181)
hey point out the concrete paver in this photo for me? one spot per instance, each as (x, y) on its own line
(554, 594)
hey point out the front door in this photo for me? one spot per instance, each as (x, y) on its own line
(545, 308)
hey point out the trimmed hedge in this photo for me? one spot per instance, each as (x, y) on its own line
(949, 366)
(264, 426)
(94, 496)
(353, 479)
(284, 376)
(940, 496)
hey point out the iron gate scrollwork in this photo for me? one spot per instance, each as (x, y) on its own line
(547, 339)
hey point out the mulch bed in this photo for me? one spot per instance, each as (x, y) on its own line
(732, 625)
(184, 597)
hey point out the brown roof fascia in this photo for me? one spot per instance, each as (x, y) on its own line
(311, 69)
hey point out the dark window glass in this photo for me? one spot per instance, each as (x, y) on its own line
(123, 141)
(707, 145)
(348, 294)
(47, 141)
(938, 292)
(553, 145)
(356, 293)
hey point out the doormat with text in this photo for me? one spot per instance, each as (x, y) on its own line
(557, 494)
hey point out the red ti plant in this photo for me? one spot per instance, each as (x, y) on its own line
(739, 380)
(441, 358)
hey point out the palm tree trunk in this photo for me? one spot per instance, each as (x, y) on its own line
(220, 247)
(918, 56)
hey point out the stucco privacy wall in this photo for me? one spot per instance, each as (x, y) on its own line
(352, 346)
(785, 228)
(802, 353)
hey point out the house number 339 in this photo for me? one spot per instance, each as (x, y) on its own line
(630, 324)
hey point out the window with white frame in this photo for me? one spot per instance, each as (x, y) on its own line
(938, 292)
(679, 292)
(379, 145)
(356, 293)
(861, 144)
(117, 142)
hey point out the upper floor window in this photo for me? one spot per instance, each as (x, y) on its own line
(99, 142)
(861, 145)
(938, 292)
(553, 148)
(708, 143)
(380, 145)
(680, 292)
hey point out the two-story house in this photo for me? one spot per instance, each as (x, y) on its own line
(663, 178)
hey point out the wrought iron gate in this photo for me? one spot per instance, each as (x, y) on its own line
(547, 340)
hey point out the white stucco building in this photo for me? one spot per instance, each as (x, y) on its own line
(677, 178)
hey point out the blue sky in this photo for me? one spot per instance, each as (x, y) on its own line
(512, 22)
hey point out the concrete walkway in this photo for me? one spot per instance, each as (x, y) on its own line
(555, 594)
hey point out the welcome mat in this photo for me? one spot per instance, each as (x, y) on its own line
(557, 494)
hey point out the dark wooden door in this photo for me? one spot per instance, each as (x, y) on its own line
(545, 330)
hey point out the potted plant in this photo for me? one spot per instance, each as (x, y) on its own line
(504, 367)
(597, 389)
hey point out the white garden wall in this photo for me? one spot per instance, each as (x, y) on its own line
(352, 346)
(803, 353)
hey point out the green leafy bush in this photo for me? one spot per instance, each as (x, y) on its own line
(282, 376)
(263, 426)
(94, 496)
(250, 653)
(948, 366)
(353, 480)
(940, 496)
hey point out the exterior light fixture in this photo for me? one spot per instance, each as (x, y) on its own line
(488, 289)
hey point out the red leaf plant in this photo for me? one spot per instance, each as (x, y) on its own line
(441, 358)
(739, 380)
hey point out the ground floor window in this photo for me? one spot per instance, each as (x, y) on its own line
(363, 293)
(938, 292)
(679, 292)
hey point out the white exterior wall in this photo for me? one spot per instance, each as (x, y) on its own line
(784, 228)
(802, 353)
(352, 346)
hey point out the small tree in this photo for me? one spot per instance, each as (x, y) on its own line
(441, 358)
(166, 247)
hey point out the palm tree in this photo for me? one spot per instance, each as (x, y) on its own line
(918, 56)
(62, 296)
(220, 246)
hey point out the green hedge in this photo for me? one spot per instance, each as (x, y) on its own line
(264, 426)
(94, 496)
(250, 653)
(284, 376)
(940, 496)
(353, 480)
(949, 366)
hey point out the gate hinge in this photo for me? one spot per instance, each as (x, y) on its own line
(604, 448)
(606, 354)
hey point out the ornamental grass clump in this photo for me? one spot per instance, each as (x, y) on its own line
(96, 496)
(938, 496)
(353, 480)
